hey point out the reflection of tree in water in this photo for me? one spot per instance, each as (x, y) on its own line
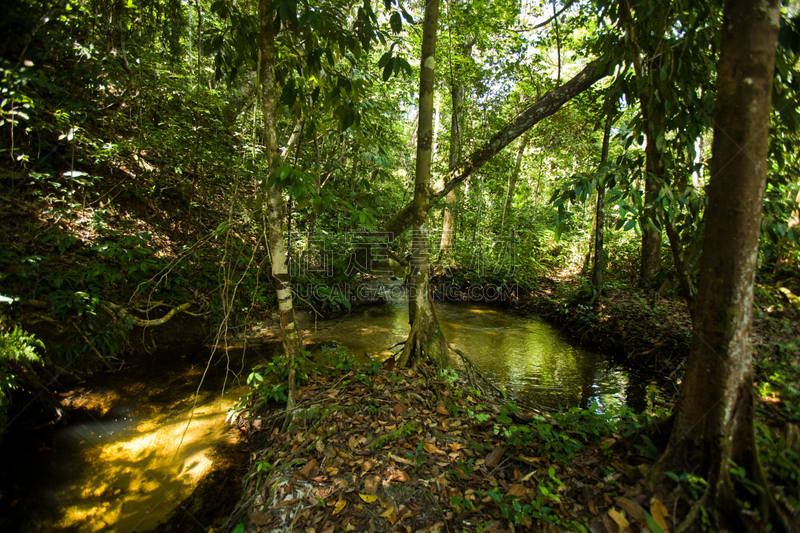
(587, 369)
(636, 392)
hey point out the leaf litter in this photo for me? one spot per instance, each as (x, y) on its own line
(410, 450)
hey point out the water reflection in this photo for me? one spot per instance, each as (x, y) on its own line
(523, 354)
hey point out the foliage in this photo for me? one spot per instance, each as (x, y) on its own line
(269, 381)
(17, 352)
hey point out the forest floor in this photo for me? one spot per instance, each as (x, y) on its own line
(387, 449)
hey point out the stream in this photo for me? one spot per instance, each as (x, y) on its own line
(142, 443)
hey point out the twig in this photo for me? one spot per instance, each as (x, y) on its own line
(89, 344)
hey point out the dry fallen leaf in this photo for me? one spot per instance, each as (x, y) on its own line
(517, 489)
(430, 448)
(493, 459)
(633, 509)
(389, 514)
(619, 519)
(309, 470)
(400, 408)
(368, 498)
(660, 513)
(371, 484)
(339, 507)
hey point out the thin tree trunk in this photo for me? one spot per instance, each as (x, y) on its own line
(714, 417)
(650, 263)
(426, 338)
(598, 269)
(457, 96)
(448, 220)
(512, 182)
(290, 333)
(680, 265)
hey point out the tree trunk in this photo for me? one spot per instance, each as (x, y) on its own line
(457, 97)
(598, 269)
(448, 221)
(426, 338)
(290, 333)
(714, 415)
(512, 182)
(650, 264)
(551, 102)
(681, 269)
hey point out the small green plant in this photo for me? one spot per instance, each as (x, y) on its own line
(263, 467)
(463, 469)
(17, 348)
(270, 380)
(419, 454)
(695, 485)
(339, 359)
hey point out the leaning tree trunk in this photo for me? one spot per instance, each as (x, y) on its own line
(290, 333)
(598, 269)
(426, 338)
(714, 417)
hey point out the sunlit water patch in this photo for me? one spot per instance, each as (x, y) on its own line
(127, 466)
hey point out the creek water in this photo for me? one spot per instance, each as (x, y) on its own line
(145, 443)
(527, 357)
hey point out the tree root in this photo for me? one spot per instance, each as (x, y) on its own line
(473, 375)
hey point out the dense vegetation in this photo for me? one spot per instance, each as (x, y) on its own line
(229, 161)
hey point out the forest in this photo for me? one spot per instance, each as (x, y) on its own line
(462, 266)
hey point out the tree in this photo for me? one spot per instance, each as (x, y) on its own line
(290, 333)
(713, 425)
(457, 92)
(426, 337)
(598, 267)
(654, 166)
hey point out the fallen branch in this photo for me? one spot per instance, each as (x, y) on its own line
(120, 312)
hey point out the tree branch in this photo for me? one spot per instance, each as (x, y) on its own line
(551, 102)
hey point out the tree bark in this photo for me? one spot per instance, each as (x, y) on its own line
(290, 333)
(681, 269)
(426, 338)
(714, 415)
(598, 268)
(543, 108)
(448, 220)
(650, 264)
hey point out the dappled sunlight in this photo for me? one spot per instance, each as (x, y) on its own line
(132, 475)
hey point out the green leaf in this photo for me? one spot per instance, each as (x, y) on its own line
(395, 22)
